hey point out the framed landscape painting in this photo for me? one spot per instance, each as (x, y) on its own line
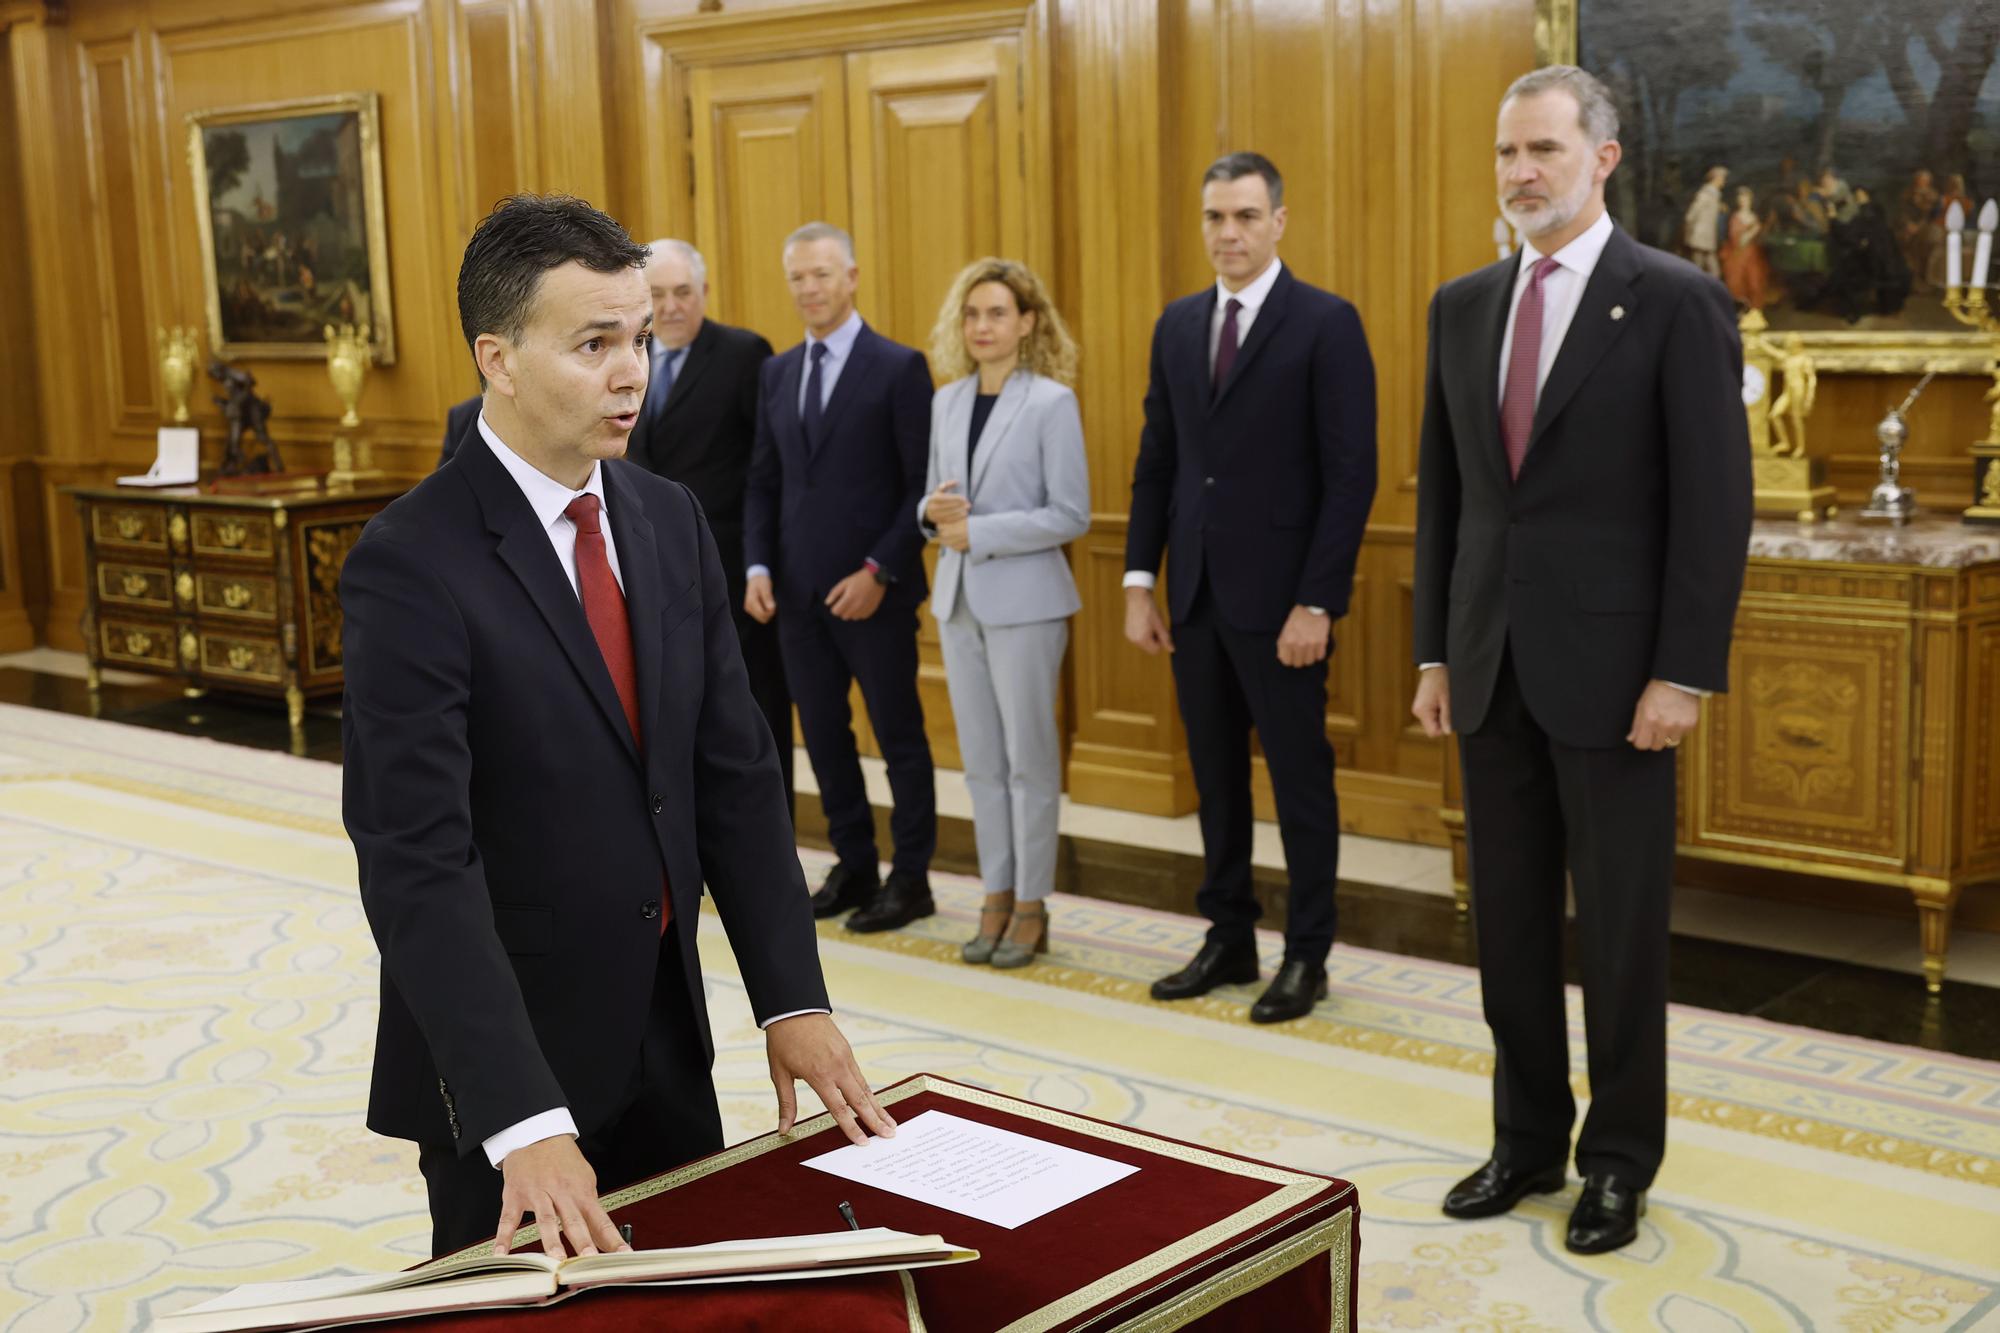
(1806, 153)
(289, 202)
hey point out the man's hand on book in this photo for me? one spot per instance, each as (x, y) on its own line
(810, 1047)
(551, 1179)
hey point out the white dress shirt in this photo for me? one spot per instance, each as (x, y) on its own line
(549, 498)
(1562, 293)
(839, 347)
(1250, 300)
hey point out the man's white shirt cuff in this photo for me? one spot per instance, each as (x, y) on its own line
(794, 1014)
(1689, 689)
(1138, 578)
(757, 572)
(547, 1125)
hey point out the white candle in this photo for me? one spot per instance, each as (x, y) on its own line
(1982, 257)
(1954, 245)
(1503, 236)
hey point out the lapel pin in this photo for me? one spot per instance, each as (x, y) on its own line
(1618, 312)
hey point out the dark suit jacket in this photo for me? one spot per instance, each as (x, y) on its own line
(813, 516)
(705, 432)
(511, 839)
(461, 421)
(1618, 555)
(1264, 486)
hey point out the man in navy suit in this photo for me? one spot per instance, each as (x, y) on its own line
(550, 744)
(831, 550)
(460, 422)
(1256, 470)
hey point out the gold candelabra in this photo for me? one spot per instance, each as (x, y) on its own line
(1969, 305)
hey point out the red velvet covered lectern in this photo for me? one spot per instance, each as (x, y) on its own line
(1194, 1238)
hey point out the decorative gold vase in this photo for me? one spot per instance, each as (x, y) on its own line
(179, 358)
(348, 356)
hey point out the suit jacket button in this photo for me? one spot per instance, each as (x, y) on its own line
(659, 803)
(650, 908)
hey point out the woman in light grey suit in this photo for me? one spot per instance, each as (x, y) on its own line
(1008, 488)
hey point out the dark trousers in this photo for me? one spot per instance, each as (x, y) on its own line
(824, 656)
(1532, 806)
(765, 663)
(670, 1117)
(1228, 681)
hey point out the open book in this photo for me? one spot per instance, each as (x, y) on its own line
(533, 1278)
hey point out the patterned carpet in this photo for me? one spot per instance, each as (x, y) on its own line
(186, 999)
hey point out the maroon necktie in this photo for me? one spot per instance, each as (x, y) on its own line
(1225, 347)
(1517, 404)
(604, 608)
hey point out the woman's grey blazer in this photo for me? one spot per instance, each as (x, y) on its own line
(1030, 493)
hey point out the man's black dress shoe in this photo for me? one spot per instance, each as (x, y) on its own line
(905, 897)
(1214, 965)
(1292, 993)
(846, 886)
(1606, 1216)
(1496, 1187)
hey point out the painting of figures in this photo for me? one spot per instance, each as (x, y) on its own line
(1806, 152)
(292, 225)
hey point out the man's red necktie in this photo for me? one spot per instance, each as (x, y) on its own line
(604, 608)
(1517, 404)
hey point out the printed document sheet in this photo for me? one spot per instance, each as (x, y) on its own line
(974, 1169)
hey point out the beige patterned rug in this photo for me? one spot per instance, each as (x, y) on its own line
(187, 991)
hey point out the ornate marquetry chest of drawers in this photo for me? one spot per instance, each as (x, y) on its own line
(1860, 737)
(237, 592)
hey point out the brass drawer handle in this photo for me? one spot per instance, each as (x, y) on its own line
(184, 586)
(134, 585)
(231, 533)
(138, 643)
(236, 596)
(241, 658)
(130, 526)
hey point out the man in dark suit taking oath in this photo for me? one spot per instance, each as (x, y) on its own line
(1255, 474)
(835, 555)
(1583, 521)
(549, 745)
(698, 427)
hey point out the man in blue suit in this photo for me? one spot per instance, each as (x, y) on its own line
(1256, 470)
(831, 550)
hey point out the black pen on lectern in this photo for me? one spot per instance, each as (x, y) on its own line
(625, 1232)
(847, 1213)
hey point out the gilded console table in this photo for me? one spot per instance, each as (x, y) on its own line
(237, 592)
(1860, 738)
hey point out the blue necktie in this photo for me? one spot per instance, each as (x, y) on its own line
(663, 383)
(810, 416)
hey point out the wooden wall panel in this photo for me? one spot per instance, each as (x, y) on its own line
(770, 145)
(120, 213)
(501, 139)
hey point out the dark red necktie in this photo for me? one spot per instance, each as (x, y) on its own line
(604, 608)
(1225, 346)
(1524, 363)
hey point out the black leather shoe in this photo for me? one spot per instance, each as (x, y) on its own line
(1213, 965)
(1292, 993)
(1496, 1187)
(905, 897)
(846, 886)
(1606, 1216)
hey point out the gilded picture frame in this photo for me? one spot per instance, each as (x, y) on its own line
(289, 211)
(1748, 89)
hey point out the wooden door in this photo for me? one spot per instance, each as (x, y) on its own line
(770, 153)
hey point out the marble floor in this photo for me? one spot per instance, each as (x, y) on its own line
(1850, 972)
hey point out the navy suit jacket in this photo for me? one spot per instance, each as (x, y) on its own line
(460, 422)
(1264, 486)
(1617, 556)
(813, 516)
(512, 837)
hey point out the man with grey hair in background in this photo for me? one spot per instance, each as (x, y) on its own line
(698, 427)
(836, 558)
(1583, 518)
